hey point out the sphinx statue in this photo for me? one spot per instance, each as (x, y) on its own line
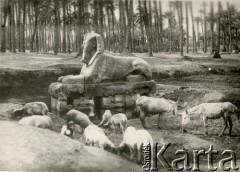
(101, 67)
(105, 82)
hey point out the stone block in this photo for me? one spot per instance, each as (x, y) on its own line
(119, 100)
(135, 78)
(54, 102)
(129, 113)
(108, 102)
(120, 88)
(61, 105)
(130, 100)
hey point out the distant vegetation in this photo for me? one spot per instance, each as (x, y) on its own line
(127, 25)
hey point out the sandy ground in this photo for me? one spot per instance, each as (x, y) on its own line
(200, 73)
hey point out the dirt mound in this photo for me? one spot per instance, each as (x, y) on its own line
(184, 69)
(190, 97)
(29, 148)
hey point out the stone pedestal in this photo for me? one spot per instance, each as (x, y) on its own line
(119, 97)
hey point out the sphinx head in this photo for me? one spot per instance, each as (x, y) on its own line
(93, 45)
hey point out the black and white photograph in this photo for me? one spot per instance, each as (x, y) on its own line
(120, 85)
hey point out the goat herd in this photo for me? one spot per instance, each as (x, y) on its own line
(95, 135)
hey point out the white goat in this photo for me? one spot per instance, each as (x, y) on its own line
(148, 106)
(37, 121)
(94, 136)
(68, 129)
(207, 111)
(135, 140)
(78, 118)
(105, 118)
(29, 109)
(119, 120)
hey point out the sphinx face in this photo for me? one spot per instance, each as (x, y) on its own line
(89, 49)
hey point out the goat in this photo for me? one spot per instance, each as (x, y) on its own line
(32, 108)
(135, 140)
(78, 118)
(148, 106)
(37, 121)
(207, 111)
(94, 136)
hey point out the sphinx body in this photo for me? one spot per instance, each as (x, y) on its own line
(102, 67)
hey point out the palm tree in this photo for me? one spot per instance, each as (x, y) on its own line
(169, 16)
(64, 2)
(95, 15)
(231, 11)
(193, 28)
(212, 25)
(160, 24)
(129, 10)
(197, 19)
(56, 27)
(121, 25)
(113, 23)
(3, 30)
(150, 29)
(23, 26)
(147, 22)
(205, 27)
(217, 55)
(187, 33)
(13, 27)
(141, 22)
(180, 17)
(157, 25)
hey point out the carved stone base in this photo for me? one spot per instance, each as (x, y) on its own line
(119, 97)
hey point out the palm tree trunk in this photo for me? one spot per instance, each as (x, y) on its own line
(133, 37)
(121, 26)
(230, 27)
(101, 17)
(95, 16)
(109, 30)
(68, 32)
(187, 31)
(128, 45)
(19, 24)
(157, 25)
(217, 55)
(64, 26)
(170, 25)
(10, 27)
(141, 24)
(148, 27)
(181, 27)
(36, 27)
(198, 34)
(113, 23)
(56, 29)
(160, 25)
(212, 25)
(3, 30)
(13, 27)
(205, 29)
(23, 26)
(193, 28)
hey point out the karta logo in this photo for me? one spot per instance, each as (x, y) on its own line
(153, 156)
